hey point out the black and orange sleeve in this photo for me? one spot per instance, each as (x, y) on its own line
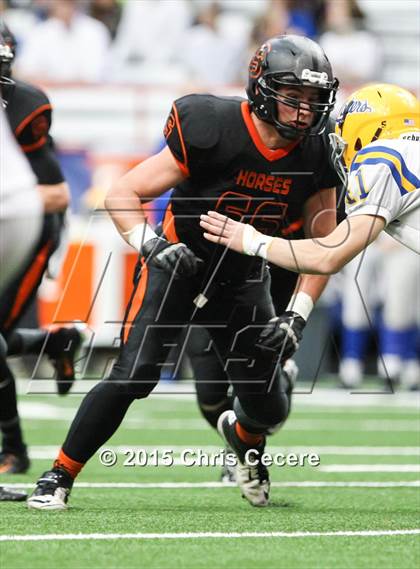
(175, 140)
(191, 133)
(33, 136)
(32, 132)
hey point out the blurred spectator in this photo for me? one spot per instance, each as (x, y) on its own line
(210, 56)
(108, 12)
(16, 4)
(354, 52)
(305, 16)
(398, 336)
(300, 17)
(386, 274)
(68, 46)
(149, 40)
(273, 22)
(19, 19)
(359, 289)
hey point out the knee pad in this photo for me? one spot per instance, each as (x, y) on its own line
(257, 415)
(262, 412)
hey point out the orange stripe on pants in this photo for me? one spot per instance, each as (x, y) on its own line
(29, 281)
(137, 300)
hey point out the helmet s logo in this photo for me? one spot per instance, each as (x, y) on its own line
(170, 123)
(257, 62)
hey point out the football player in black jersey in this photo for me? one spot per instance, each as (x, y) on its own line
(212, 384)
(29, 112)
(262, 160)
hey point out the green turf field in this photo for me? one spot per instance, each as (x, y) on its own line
(356, 509)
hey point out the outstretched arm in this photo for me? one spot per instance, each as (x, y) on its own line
(324, 255)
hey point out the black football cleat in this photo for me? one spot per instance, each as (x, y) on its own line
(62, 348)
(7, 495)
(252, 478)
(52, 491)
(14, 463)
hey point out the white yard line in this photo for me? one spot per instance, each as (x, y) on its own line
(181, 485)
(205, 535)
(42, 411)
(305, 395)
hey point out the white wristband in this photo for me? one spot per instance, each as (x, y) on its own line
(254, 242)
(139, 235)
(302, 304)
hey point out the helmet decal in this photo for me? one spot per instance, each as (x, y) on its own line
(257, 62)
(356, 106)
(170, 123)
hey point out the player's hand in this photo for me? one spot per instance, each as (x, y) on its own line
(174, 258)
(223, 230)
(240, 237)
(282, 334)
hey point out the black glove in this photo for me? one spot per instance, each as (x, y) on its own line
(171, 257)
(282, 334)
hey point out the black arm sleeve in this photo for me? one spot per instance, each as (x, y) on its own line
(45, 165)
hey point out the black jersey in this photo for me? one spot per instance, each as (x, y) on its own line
(229, 169)
(29, 112)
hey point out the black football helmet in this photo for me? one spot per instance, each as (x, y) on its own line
(7, 55)
(291, 60)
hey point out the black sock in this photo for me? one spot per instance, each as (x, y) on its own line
(12, 437)
(9, 418)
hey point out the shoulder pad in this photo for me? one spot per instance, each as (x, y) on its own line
(199, 120)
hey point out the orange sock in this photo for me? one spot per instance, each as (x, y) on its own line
(249, 438)
(68, 464)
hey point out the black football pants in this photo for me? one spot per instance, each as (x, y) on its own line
(160, 308)
(211, 381)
